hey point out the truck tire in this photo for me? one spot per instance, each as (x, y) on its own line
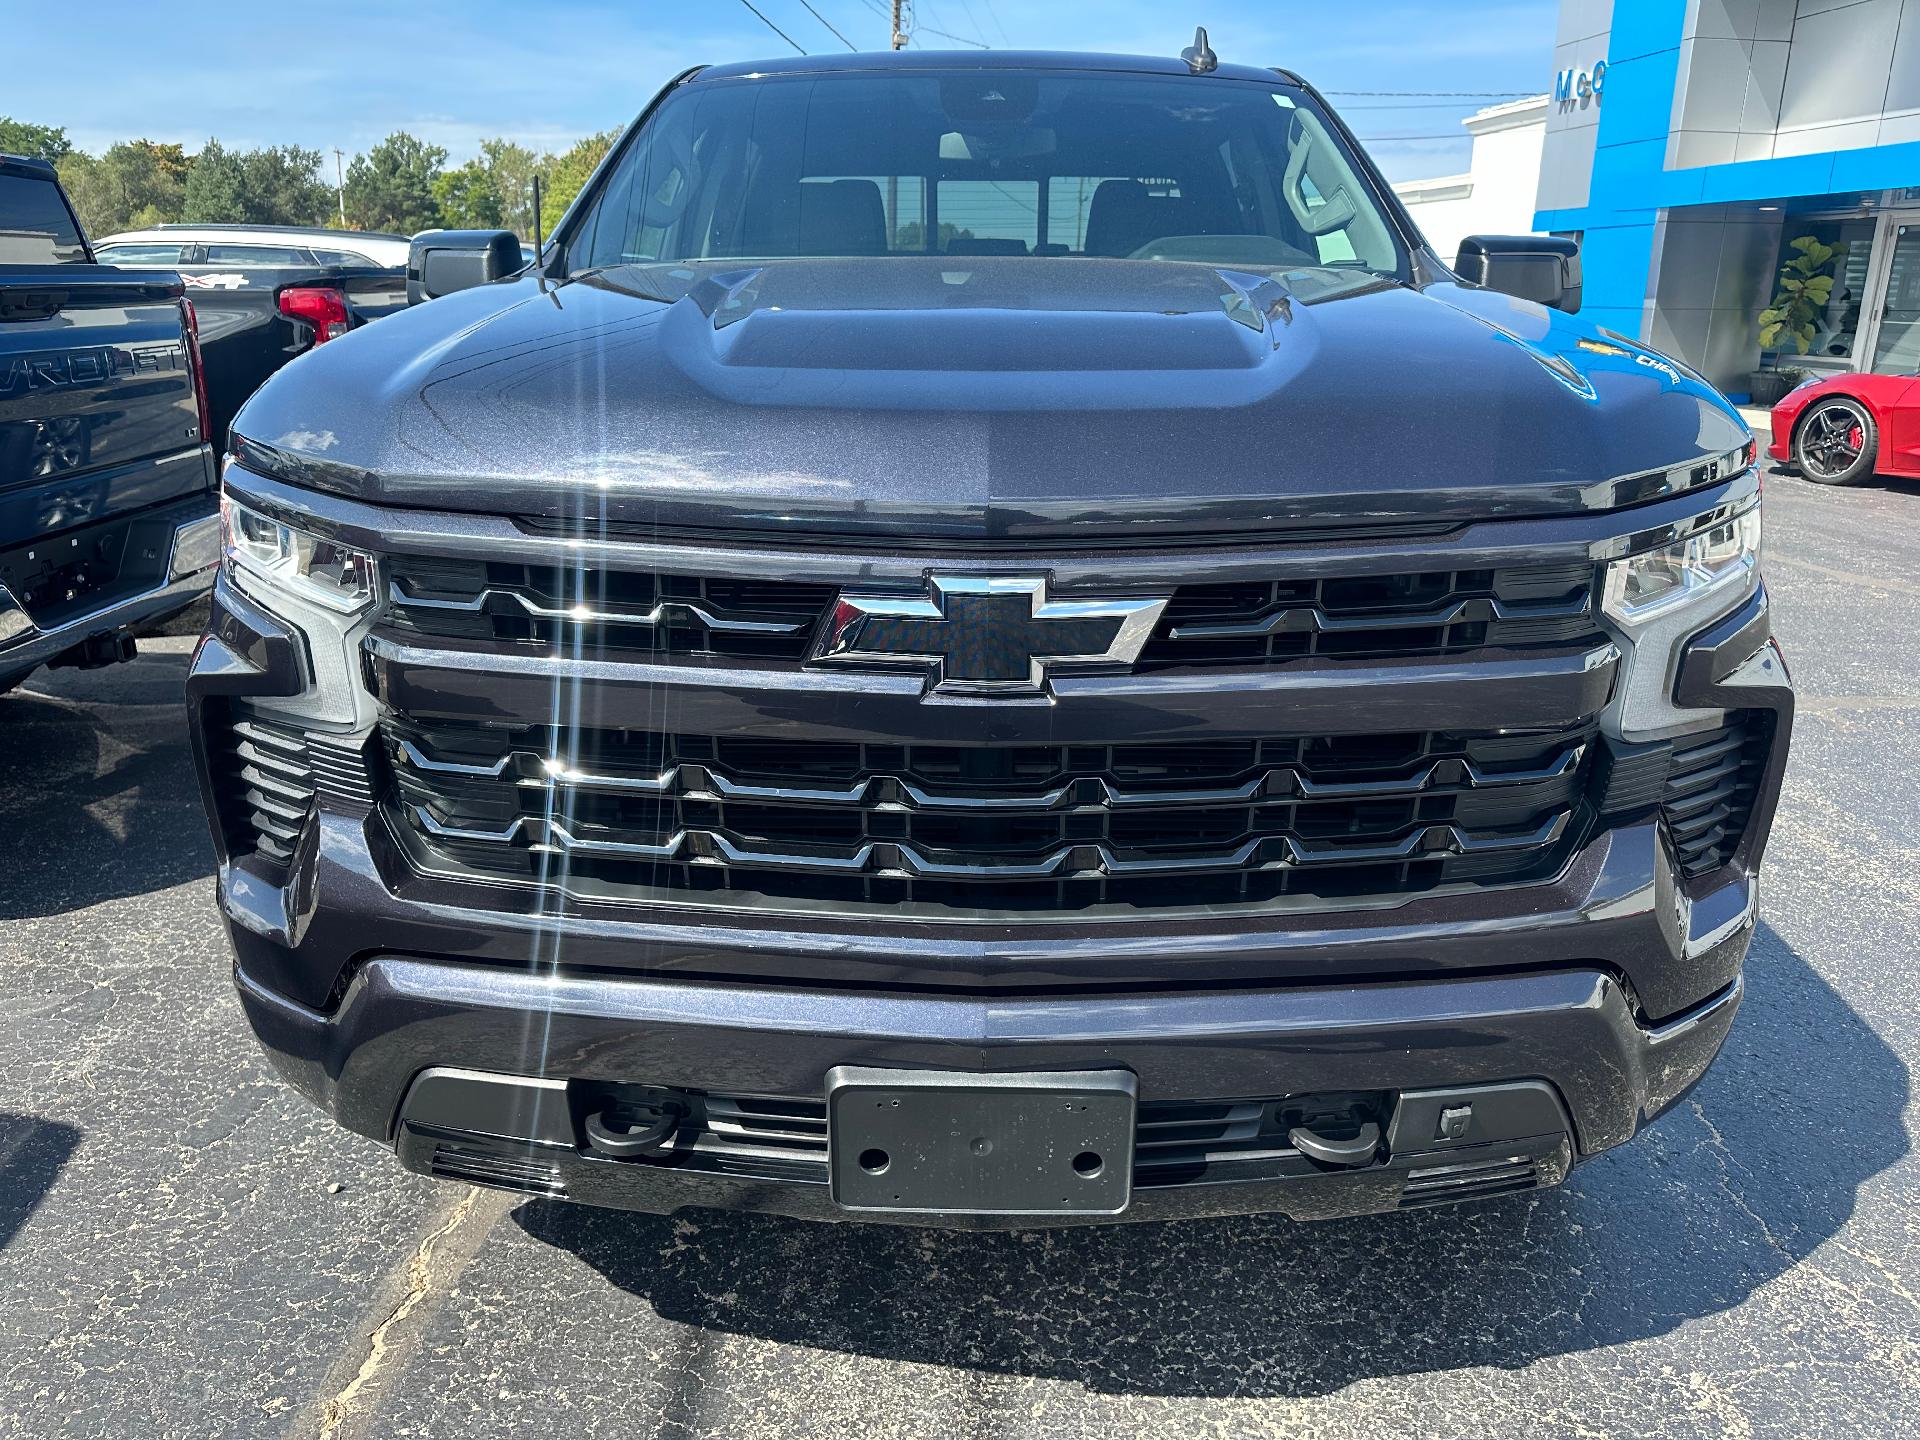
(1836, 442)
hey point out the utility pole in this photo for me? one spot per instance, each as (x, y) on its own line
(899, 35)
(340, 185)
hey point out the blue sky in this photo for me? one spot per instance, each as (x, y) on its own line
(347, 73)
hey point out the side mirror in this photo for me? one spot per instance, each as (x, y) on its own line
(442, 261)
(1542, 268)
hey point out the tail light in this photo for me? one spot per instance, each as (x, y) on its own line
(320, 306)
(190, 326)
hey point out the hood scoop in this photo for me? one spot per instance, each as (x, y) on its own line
(937, 333)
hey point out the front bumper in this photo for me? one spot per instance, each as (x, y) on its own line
(185, 538)
(448, 1059)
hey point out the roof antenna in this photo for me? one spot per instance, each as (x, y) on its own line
(1199, 57)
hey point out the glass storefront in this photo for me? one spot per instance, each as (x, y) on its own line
(1896, 338)
(1872, 321)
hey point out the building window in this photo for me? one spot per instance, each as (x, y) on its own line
(1837, 326)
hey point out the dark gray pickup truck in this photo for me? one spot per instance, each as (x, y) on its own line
(992, 640)
(108, 507)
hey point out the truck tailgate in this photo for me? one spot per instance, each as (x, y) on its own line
(98, 414)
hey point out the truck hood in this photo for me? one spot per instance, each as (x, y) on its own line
(984, 400)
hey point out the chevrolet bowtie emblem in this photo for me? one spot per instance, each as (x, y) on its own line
(986, 635)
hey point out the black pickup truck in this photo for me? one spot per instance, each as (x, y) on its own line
(992, 639)
(108, 505)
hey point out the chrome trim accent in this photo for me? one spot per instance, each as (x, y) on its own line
(196, 547)
(712, 847)
(839, 642)
(1292, 619)
(1684, 1024)
(698, 780)
(1675, 479)
(713, 619)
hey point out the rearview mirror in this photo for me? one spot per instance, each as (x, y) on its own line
(442, 261)
(1541, 268)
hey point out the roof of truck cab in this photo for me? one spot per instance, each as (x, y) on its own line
(32, 164)
(870, 60)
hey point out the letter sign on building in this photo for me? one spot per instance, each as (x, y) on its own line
(1579, 86)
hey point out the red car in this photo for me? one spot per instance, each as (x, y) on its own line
(1841, 429)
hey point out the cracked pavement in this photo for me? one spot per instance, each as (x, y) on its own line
(188, 1249)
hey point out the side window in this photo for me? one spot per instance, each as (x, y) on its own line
(258, 255)
(340, 257)
(36, 227)
(162, 256)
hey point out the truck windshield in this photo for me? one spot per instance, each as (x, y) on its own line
(1071, 165)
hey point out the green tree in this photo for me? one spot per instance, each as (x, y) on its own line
(512, 168)
(467, 198)
(567, 172)
(135, 184)
(215, 186)
(283, 185)
(42, 142)
(391, 186)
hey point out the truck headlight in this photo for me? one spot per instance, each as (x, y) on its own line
(289, 558)
(1656, 582)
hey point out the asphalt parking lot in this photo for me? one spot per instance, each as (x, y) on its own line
(187, 1249)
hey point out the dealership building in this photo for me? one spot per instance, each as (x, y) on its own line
(1688, 143)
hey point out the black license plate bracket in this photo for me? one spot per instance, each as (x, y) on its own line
(952, 1142)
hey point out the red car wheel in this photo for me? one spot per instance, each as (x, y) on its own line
(1836, 442)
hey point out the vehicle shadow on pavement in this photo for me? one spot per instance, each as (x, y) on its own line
(1740, 1182)
(98, 797)
(32, 1154)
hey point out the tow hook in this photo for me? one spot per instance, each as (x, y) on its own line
(634, 1132)
(1346, 1153)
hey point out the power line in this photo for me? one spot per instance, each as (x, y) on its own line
(973, 22)
(773, 27)
(1448, 94)
(1415, 105)
(994, 15)
(829, 24)
(944, 35)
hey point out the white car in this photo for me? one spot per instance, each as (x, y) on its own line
(200, 249)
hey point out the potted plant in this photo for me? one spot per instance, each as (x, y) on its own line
(1805, 290)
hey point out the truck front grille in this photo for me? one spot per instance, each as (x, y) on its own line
(615, 614)
(633, 815)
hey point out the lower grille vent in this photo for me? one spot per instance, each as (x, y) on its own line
(477, 1166)
(1178, 1136)
(1449, 1184)
(264, 785)
(1710, 789)
(1174, 1140)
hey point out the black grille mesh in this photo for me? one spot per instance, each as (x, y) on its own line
(622, 814)
(1253, 624)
